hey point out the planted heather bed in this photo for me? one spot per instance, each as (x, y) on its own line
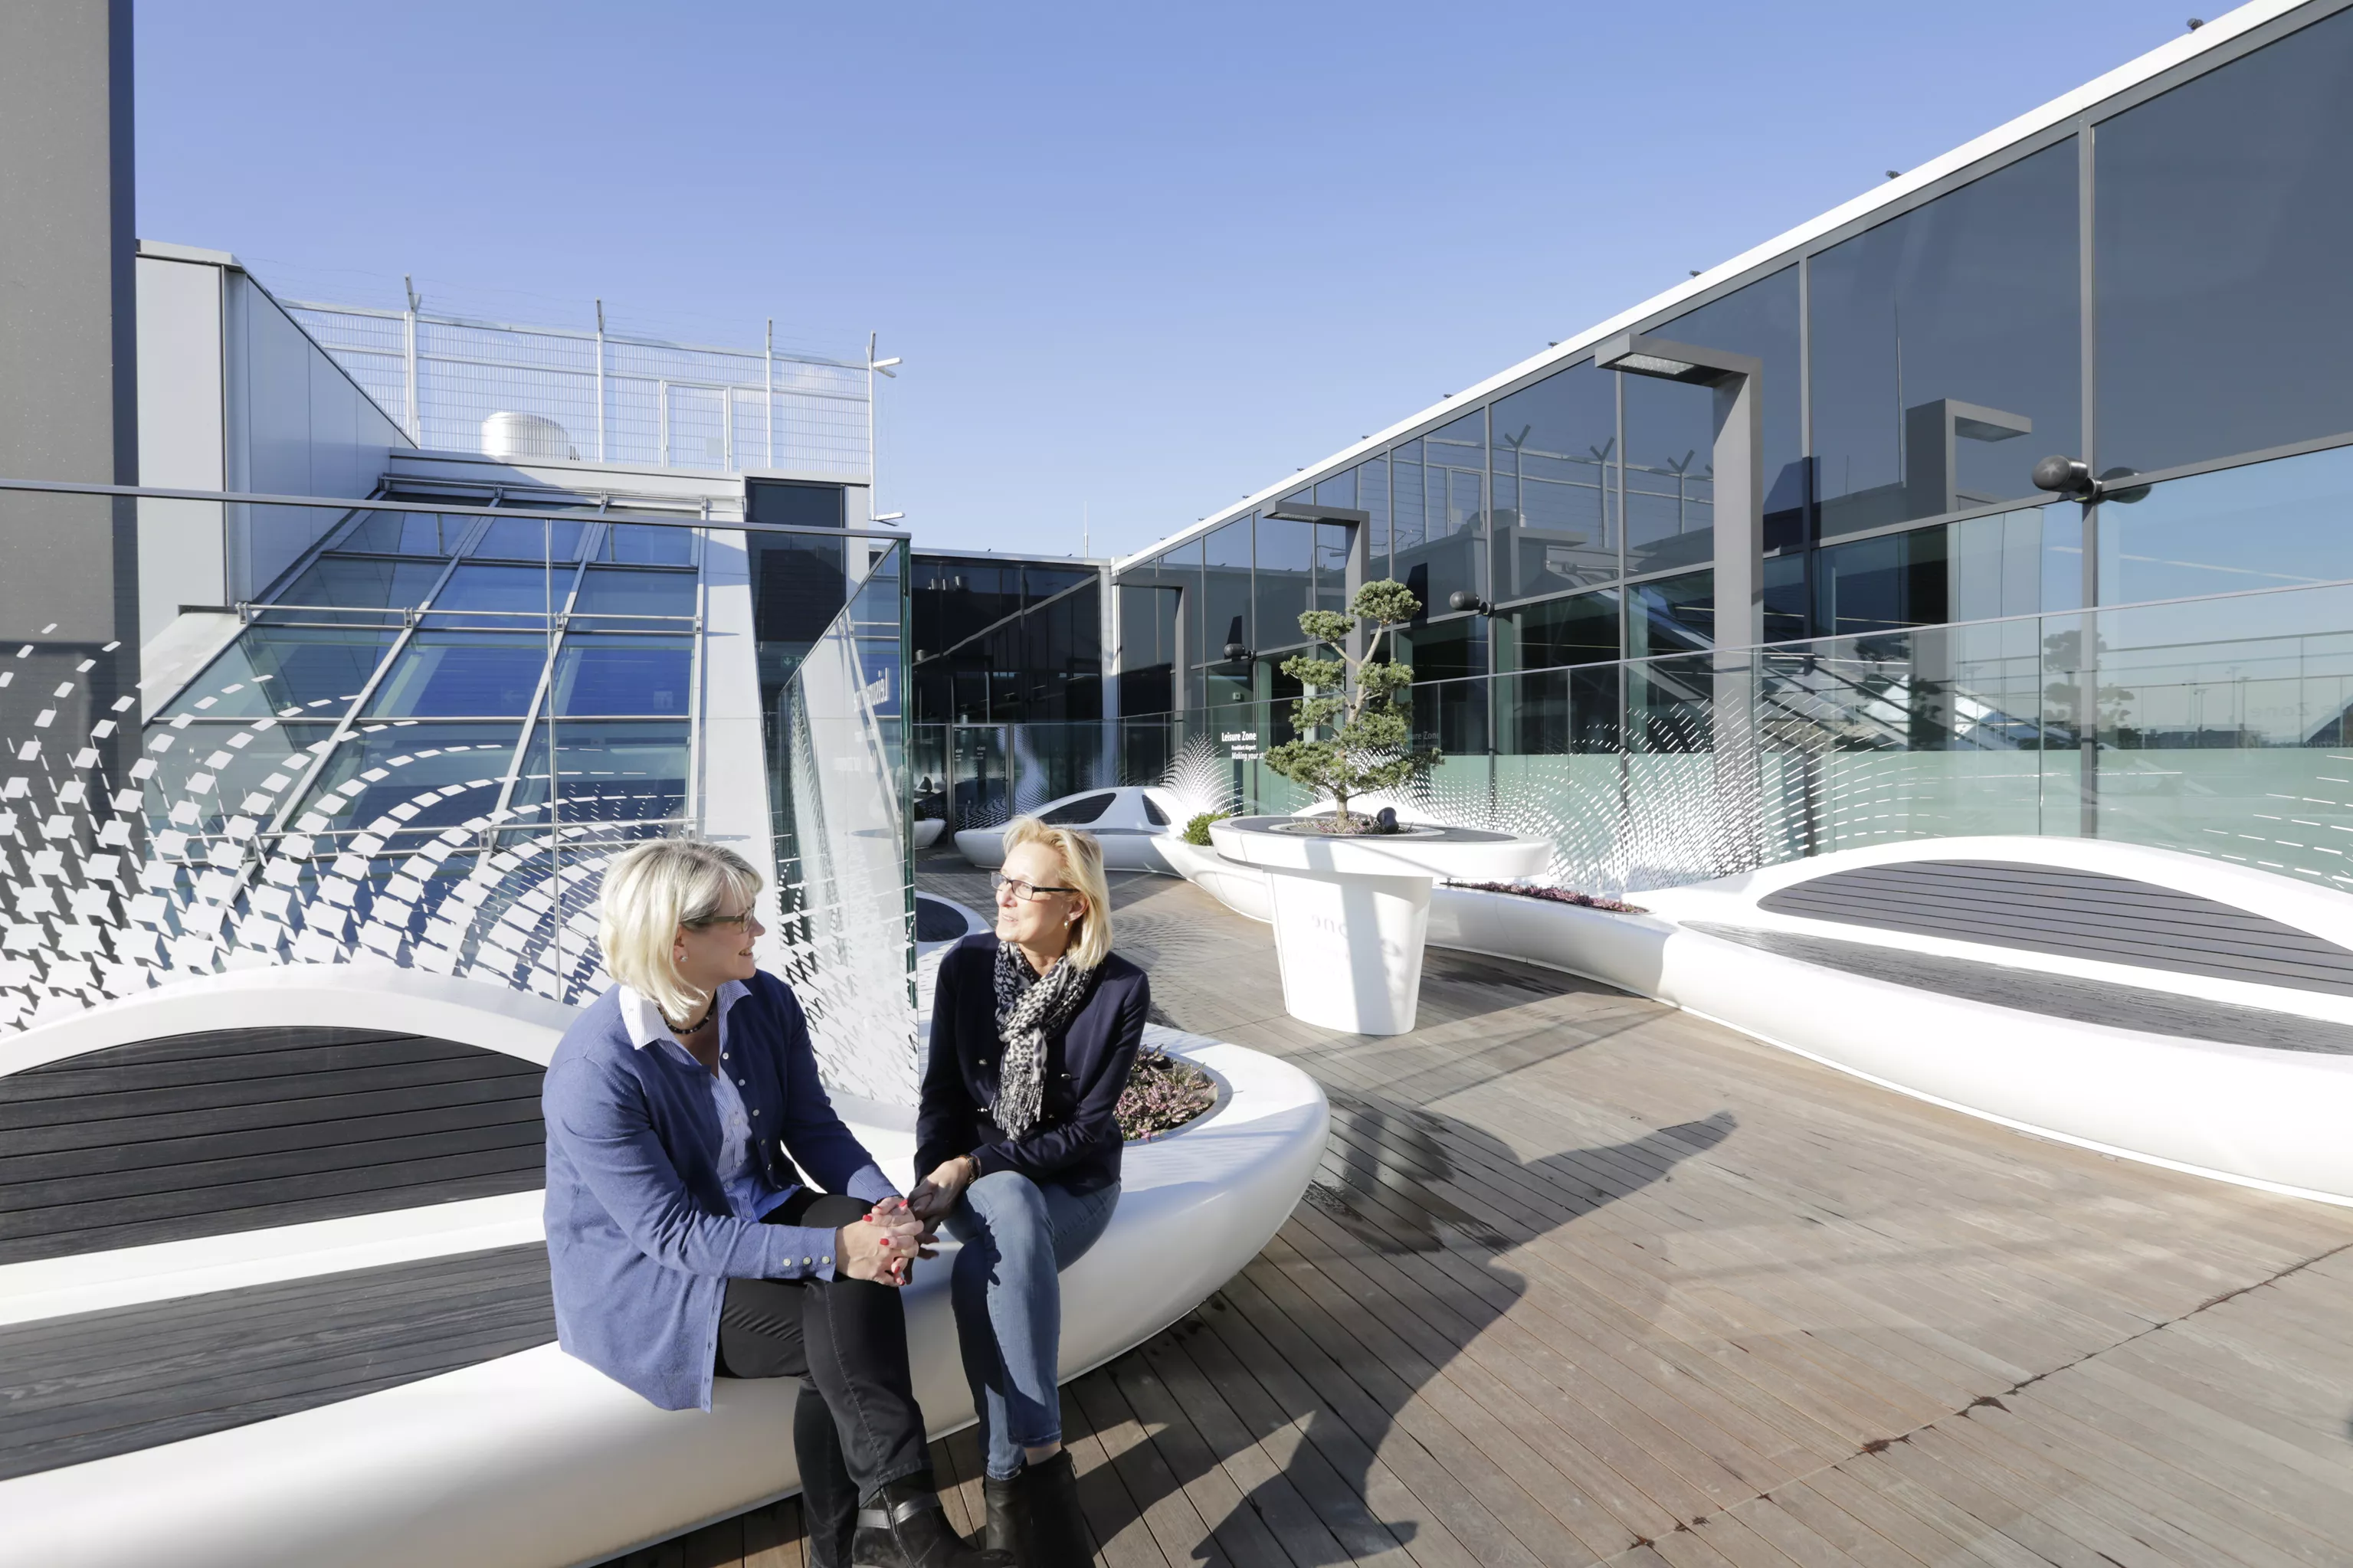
(1553, 896)
(1163, 1094)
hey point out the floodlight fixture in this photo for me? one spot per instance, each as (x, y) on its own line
(1464, 599)
(1236, 653)
(889, 517)
(2068, 477)
(1640, 354)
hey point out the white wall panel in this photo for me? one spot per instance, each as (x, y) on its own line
(180, 438)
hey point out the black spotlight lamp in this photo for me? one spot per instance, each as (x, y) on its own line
(1464, 599)
(1237, 654)
(2068, 476)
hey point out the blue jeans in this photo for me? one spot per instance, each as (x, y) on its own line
(1018, 1236)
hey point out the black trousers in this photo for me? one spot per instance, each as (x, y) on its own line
(857, 1426)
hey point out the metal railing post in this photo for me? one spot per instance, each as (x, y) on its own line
(603, 455)
(408, 352)
(768, 388)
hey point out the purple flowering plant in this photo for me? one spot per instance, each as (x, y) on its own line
(1163, 1094)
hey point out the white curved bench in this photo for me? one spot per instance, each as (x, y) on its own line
(534, 1459)
(2262, 1117)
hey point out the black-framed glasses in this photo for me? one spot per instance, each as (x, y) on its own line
(1030, 891)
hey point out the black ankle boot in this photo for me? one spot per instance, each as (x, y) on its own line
(1057, 1533)
(903, 1526)
(1008, 1526)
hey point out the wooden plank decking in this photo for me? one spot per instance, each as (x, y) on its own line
(1584, 1278)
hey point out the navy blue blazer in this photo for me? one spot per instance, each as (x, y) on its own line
(640, 1241)
(1076, 1140)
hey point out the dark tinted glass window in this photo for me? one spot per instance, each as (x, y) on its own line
(1373, 499)
(361, 580)
(608, 772)
(1880, 584)
(1408, 513)
(1579, 629)
(413, 761)
(623, 675)
(1671, 615)
(1332, 547)
(1449, 556)
(1153, 813)
(1080, 812)
(2263, 525)
(612, 591)
(2224, 225)
(1786, 605)
(649, 544)
(530, 538)
(268, 670)
(1947, 349)
(526, 590)
(801, 506)
(1340, 489)
(1286, 566)
(1556, 502)
(406, 533)
(1670, 474)
(1762, 320)
(1225, 589)
(471, 675)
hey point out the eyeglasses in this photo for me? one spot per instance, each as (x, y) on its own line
(1021, 890)
(741, 922)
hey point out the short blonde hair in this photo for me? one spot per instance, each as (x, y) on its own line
(1082, 867)
(648, 893)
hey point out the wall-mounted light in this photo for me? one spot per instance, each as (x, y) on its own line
(1236, 653)
(1464, 599)
(2072, 478)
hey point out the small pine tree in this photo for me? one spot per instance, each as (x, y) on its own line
(1354, 737)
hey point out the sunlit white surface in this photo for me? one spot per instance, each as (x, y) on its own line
(1351, 914)
(2261, 1117)
(535, 1460)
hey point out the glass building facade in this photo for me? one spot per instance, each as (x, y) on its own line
(2153, 283)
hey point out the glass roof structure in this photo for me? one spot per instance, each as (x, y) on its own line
(422, 671)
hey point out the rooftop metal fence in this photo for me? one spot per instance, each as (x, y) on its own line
(615, 397)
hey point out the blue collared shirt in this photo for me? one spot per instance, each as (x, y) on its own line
(749, 1194)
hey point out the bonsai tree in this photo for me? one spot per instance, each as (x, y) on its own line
(1353, 738)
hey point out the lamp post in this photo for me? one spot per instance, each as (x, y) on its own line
(1739, 554)
(875, 367)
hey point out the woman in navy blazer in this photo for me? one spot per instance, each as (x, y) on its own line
(1034, 1031)
(682, 1108)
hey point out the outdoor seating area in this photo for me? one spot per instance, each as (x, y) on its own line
(1583, 1277)
(966, 863)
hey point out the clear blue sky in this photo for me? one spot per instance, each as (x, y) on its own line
(1140, 260)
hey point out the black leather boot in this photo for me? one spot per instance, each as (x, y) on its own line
(903, 1526)
(1057, 1534)
(1007, 1529)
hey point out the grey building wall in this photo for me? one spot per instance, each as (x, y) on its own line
(69, 380)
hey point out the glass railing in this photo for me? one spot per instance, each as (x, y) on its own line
(2216, 726)
(419, 746)
(844, 854)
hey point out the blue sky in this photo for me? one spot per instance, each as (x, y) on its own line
(1140, 260)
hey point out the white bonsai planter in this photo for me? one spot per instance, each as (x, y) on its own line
(1351, 914)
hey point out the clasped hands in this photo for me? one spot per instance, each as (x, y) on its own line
(897, 1231)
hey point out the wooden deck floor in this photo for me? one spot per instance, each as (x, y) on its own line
(1584, 1278)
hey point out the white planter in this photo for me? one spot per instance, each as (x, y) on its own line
(1617, 948)
(1242, 888)
(928, 831)
(1351, 914)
